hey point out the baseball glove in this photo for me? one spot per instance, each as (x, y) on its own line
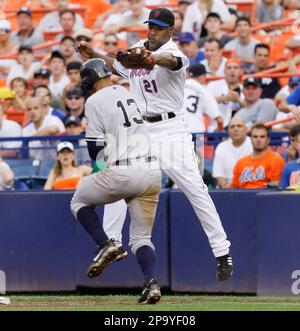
(136, 58)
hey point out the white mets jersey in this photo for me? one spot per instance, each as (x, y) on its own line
(115, 122)
(160, 90)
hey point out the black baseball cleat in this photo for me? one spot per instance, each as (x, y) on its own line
(106, 254)
(151, 293)
(224, 267)
(122, 254)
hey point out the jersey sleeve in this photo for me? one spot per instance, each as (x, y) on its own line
(211, 107)
(120, 69)
(95, 126)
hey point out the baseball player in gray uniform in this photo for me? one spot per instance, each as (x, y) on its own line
(113, 130)
(159, 94)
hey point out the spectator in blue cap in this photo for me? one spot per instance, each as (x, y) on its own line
(188, 46)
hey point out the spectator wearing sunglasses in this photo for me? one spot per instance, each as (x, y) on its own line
(75, 102)
(111, 44)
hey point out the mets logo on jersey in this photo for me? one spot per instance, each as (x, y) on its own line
(249, 175)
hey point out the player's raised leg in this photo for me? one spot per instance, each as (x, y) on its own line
(182, 168)
(88, 195)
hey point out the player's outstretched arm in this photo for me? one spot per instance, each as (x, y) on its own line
(168, 60)
(87, 51)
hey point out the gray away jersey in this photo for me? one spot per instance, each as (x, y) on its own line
(115, 121)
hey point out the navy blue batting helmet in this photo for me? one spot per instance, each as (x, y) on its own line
(91, 71)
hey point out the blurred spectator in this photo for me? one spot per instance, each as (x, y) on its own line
(214, 61)
(256, 109)
(270, 86)
(261, 168)
(291, 153)
(291, 4)
(269, 11)
(113, 17)
(213, 27)
(228, 91)
(177, 24)
(230, 151)
(26, 66)
(183, 6)
(51, 21)
(75, 102)
(84, 35)
(65, 174)
(67, 22)
(19, 86)
(243, 45)
(40, 77)
(73, 125)
(199, 101)
(188, 46)
(293, 42)
(291, 172)
(73, 72)
(9, 129)
(67, 49)
(136, 16)
(27, 34)
(40, 125)
(286, 90)
(6, 47)
(6, 176)
(291, 106)
(111, 44)
(43, 92)
(58, 78)
(196, 13)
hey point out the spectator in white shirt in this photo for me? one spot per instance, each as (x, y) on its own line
(230, 151)
(41, 125)
(9, 129)
(196, 13)
(58, 78)
(51, 21)
(67, 21)
(214, 61)
(26, 66)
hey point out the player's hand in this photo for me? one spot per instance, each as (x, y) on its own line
(84, 49)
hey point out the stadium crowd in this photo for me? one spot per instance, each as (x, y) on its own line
(243, 77)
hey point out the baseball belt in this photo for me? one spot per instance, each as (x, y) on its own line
(131, 162)
(158, 118)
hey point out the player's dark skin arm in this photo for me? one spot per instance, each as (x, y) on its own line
(87, 51)
(167, 60)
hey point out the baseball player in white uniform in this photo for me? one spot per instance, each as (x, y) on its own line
(159, 94)
(114, 127)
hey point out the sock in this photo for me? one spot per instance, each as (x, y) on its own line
(89, 220)
(146, 257)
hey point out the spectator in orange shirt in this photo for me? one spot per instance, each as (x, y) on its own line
(260, 168)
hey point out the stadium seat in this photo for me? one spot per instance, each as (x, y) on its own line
(45, 167)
